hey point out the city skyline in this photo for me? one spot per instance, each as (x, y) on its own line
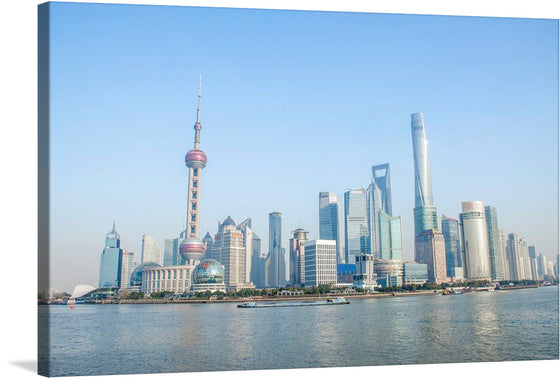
(234, 134)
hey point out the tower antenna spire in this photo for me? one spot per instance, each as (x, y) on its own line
(197, 125)
(199, 96)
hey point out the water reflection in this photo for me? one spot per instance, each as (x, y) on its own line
(117, 339)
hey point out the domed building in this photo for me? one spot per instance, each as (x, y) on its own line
(136, 275)
(192, 250)
(209, 275)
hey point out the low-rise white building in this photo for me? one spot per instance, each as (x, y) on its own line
(176, 279)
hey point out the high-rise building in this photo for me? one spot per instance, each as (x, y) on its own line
(111, 260)
(503, 245)
(320, 262)
(494, 244)
(550, 271)
(381, 176)
(378, 199)
(475, 241)
(192, 248)
(150, 250)
(541, 266)
(257, 263)
(515, 272)
(329, 225)
(228, 246)
(209, 247)
(533, 262)
(390, 237)
(271, 271)
(171, 254)
(450, 231)
(525, 260)
(430, 249)
(126, 268)
(425, 214)
(284, 268)
(422, 174)
(245, 228)
(274, 260)
(297, 257)
(374, 207)
(355, 224)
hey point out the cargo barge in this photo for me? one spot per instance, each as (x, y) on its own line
(254, 304)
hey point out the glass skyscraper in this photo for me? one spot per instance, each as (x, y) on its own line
(378, 198)
(494, 244)
(329, 228)
(381, 176)
(111, 260)
(245, 228)
(374, 207)
(453, 258)
(390, 237)
(274, 266)
(355, 224)
(534, 263)
(424, 210)
(513, 258)
(475, 241)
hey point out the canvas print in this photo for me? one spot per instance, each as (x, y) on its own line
(243, 189)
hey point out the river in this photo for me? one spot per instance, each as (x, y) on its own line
(154, 338)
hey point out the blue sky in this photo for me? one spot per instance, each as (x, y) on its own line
(294, 103)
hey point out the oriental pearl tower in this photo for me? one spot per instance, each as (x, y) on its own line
(192, 248)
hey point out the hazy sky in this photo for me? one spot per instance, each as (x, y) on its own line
(294, 103)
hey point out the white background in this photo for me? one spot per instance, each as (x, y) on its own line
(18, 189)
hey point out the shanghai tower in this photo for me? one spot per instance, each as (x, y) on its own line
(192, 248)
(425, 216)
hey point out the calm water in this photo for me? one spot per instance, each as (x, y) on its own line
(141, 338)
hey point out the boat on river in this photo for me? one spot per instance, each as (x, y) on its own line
(452, 292)
(266, 304)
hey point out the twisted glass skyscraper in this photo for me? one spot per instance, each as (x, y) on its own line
(424, 210)
(381, 175)
(378, 199)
